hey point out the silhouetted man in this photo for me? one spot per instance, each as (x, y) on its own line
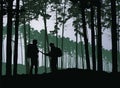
(53, 57)
(34, 57)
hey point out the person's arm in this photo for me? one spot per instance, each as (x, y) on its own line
(47, 54)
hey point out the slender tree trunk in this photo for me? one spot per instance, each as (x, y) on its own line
(29, 36)
(9, 38)
(85, 39)
(25, 45)
(1, 34)
(46, 36)
(118, 34)
(16, 38)
(114, 36)
(63, 26)
(45, 44)
(76, 50)
(28, 61)
(82, 48)
(56, 27)
(21, 45)
(82, 53)
(99, 37)
(93, 38)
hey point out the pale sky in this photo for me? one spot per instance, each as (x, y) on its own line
(69, 31)
(39, 24)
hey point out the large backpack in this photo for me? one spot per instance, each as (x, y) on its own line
(58, 52)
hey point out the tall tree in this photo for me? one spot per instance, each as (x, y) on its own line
(93, 34)
(25, 41)
(83, 5)
(9, 37)
(118, 31)
(76, 49)
(85, 38)
(46, 42)
(1, 34)
(63, 27)
(114, 36)
(99, 36)
(16, 37)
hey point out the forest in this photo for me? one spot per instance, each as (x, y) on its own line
(94, 15)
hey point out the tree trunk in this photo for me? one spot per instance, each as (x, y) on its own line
(25, 44)
(76, 50)
(16, 37)
(99, 38)
(9, 38)
(118, 34)
(56, 26)
(63, 27)
(114, 36)
(82, 52)
(46, 36)
(93, 38)
(85, 39)
(1, 34)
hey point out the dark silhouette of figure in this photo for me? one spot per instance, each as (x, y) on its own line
(53, 57)
(34, 57)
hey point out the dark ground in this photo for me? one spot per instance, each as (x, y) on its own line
(75, 78)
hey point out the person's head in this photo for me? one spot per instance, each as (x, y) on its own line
(52, 45)
(35, 41)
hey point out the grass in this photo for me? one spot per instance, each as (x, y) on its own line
(21, 69)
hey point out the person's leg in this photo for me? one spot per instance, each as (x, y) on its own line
(54, 65)
(28, 65)
(36, 67)
(31, 69)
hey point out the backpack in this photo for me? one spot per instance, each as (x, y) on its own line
(58, 52)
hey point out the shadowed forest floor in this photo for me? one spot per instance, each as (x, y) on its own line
(76, 78)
